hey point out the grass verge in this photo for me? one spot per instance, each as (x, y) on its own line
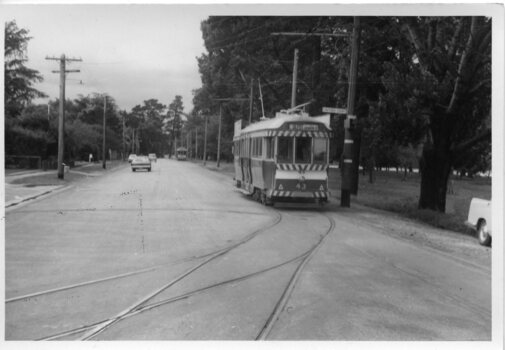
(391, 193)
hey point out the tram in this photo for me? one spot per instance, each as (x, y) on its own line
(181, 153)
(283, 159)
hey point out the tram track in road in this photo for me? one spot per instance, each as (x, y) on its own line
(147, 269)
(147, 209)
(141, 307)
(102, 326)
(163, 302)
(281, 303)
(92, 330)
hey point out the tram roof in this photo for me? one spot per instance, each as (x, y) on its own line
(280, 119)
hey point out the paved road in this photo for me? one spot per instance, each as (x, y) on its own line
(177, 253)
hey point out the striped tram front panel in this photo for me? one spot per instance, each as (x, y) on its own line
(302, 167)
(300, 181)
(297, 133)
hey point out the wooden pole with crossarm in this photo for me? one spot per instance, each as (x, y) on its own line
(61, 120)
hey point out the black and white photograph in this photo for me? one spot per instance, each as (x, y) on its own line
(289, 175)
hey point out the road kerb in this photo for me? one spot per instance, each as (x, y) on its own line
(12, 205)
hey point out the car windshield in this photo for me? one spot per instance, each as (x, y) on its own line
(141, 159)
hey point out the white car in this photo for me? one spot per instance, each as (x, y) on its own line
(479, 218)
(141, 162)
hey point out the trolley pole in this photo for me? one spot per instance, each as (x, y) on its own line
(295, 77)
(251, 101)
(347, 166)
(61, 120)
(219, 135)
(103, 131)
(205, 142)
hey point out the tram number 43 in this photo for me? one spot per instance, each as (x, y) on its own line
(301, 186)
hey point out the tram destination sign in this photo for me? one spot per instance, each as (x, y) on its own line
(302, 127)
(332, 110)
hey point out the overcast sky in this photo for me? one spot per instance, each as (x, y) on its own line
(130, 52)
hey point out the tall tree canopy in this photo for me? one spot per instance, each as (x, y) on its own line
(423, 83)
(19, 78)
(450, 92)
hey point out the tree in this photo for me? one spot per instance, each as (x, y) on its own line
(173, 122)
(19, 79)
(242, 48)
(451, 61)
(146, 125)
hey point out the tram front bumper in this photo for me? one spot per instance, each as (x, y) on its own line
(300, 194)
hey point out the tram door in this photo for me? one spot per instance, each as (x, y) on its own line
(237, 161)
(246, 162)
(243, 160)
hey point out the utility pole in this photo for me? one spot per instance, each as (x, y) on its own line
(124, 144)
(295, 64)
(205, 142)
(103, 137)
(196, 143)
(295, 77)
(219, 134)
(220, 100)
(347, 167)
(188, 142)
(251, 101)
(61, 120)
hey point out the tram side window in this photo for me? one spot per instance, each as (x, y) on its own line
(303, 150)
(320, 151)
(285, 150)
(269, 147)
(256, 147)
(253, 147)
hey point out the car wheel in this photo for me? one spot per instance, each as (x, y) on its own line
(133, 169)
(148, 169)
(483, 233)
